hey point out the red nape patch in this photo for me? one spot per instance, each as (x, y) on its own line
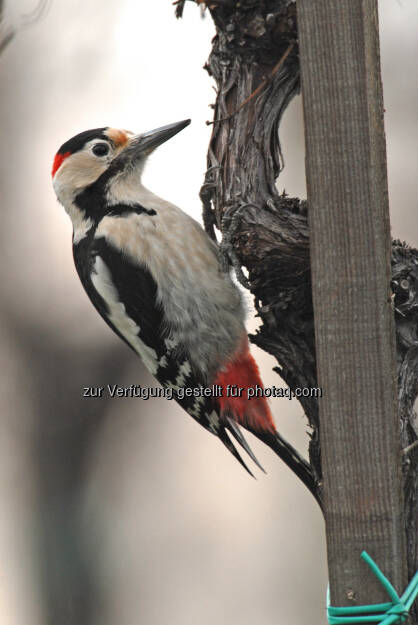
(58, 161)
(242, 370)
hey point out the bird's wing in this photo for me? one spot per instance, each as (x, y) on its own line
(124, 294)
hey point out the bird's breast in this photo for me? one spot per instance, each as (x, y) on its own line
(202, 307)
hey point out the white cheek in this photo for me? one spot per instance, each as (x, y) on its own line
(77, 172)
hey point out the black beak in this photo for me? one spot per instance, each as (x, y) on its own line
(142, 145)
(150, 140)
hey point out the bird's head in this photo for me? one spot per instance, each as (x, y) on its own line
(103, 155)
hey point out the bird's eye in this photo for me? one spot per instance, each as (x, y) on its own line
(100, 149)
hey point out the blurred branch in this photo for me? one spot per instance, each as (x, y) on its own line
(37, 14)
(8, 31)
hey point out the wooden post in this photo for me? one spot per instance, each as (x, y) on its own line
(354, 326)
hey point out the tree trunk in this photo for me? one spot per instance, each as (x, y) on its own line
(354, 320)
(255, 64)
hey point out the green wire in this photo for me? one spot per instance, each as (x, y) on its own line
(384, 613)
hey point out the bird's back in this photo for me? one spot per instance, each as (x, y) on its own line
(203, 310)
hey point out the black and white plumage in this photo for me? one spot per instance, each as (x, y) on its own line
(155, 277)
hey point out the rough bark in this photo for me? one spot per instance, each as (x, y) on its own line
(268, 234)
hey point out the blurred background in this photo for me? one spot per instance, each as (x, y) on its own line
(126, 511)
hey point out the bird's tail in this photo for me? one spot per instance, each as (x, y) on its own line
(243, 402)
(292, 458)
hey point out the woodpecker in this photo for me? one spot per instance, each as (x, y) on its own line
(155, 277)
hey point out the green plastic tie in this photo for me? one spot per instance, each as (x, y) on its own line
(389, 613)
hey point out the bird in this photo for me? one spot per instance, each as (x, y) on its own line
(156, 278)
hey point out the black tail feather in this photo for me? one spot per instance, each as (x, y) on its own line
(293, 459)
(239, 437)
(222, 434)
(286, 452)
